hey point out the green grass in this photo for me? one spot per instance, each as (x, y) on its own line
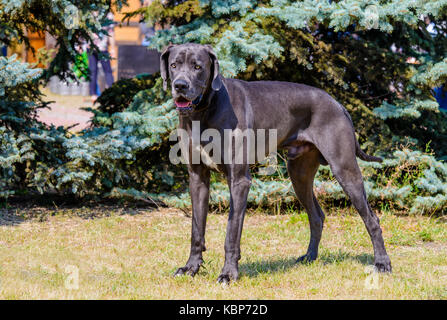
(133, 256)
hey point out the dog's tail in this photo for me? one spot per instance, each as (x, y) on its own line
(362, 155)
(359, 152)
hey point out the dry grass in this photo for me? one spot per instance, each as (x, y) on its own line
(133, 256)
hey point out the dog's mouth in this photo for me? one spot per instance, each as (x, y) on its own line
(183, 103)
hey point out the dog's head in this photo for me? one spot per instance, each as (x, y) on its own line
(193, 69)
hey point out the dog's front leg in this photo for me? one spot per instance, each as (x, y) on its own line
(239, 181)
(199, 184)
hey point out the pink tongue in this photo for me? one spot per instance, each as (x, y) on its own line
(182, 104)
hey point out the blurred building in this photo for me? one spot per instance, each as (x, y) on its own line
(125, 34)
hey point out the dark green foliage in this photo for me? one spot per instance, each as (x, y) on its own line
(118, 97)
(337, 53)
(327, 45)
(51, 16)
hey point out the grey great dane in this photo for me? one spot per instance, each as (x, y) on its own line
(310, 124)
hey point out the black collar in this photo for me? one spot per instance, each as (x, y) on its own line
(197, 100)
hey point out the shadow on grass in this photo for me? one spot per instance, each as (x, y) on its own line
(18, 209)
(331, 257)
(254, 269)
(8, 219)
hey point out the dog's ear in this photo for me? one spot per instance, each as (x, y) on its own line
(164, 68)
(216, 84)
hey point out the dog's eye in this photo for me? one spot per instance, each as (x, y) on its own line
(197, 67)
(173, 65)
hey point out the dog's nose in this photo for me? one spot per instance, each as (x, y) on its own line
(180, 85)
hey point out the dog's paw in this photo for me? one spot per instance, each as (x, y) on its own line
(190, 270)
(223, 279)
(307, 258)
(228, 274)
(383, 265)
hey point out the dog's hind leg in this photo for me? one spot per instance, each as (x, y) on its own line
(351, 180)
(340, 152)
(302, 171)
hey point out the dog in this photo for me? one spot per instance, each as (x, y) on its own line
(314, 128)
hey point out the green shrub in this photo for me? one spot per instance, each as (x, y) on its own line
(118, 97)
(125, 153)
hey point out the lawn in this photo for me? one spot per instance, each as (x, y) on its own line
(132, 254)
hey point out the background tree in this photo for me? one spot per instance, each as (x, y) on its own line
(343, 47)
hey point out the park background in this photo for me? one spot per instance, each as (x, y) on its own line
(381, 60)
